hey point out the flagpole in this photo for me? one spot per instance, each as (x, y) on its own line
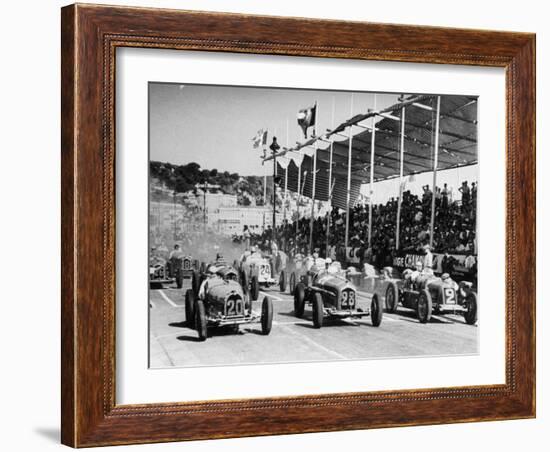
(436, 153)
(402, 152)
(273, 224)
(313, 183)
(349, 178)
(371, 188)
(286, 177)
(330, 184)
(299, 197)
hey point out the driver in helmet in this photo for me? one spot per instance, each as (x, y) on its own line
(210, 274)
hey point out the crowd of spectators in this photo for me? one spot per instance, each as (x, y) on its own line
(454, 227)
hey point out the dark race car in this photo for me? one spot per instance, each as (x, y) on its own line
(425, 293)
(217, 299)
(332, 295)
(180, 268)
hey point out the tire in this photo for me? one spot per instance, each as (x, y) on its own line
(471, 303)
(392, 297)
(424, 306)
(278, 262)
(244, 283)
(190, 308)
(282, 281)
(317, 305)
(299, 300)
(195, 283)
(200, 320)
(254, 288)
(376, 311)
(267, 316)
(292, 283)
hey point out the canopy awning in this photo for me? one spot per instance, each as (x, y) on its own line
(457, 145)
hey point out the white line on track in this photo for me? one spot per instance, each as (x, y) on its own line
(315, 344)
(170, 302)
(274, 297)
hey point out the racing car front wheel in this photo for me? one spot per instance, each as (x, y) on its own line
(189, 308)
(470, 315)
(267, 316)
(424, 306)
(299, 300)
(317, 305)
(254, 288)
(292, 283)
(200, 320)
(391, 297)
(282, 281)
(375, 311)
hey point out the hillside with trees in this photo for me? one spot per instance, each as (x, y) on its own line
(185, 178)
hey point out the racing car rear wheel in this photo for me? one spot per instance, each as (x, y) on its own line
(470, 315)
(200, 320)
(376, 311)
(391, 297)
(189, 308)
(254, 288)
(424, 306)
(267, 316)
(292, 283)
(299, 300)
(282, 281)
(317, 305)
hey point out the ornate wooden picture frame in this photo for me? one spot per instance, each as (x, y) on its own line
(90, 37)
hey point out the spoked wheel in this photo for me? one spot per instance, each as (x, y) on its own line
(376, 311)
(190, 308)
(299, 300)
(282, 281)
(267, 316)
(470, 315)
(391, 297)
(200, 320)
(317, 305)
(292, 283)
(424, 306)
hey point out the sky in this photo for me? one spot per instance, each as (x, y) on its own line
(214, 125)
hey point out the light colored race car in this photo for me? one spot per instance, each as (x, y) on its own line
(220, 301)
(423, 292)
(331, 295)
(258, 271)
(159, 273)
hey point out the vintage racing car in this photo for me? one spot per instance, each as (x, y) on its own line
(257, 271)
(426, 293)
(220, 301)
(180, 268)
(332, 295)
(158, 273)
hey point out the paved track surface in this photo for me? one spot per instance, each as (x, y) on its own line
(173, 343)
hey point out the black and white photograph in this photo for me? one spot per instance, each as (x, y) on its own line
(295, 225)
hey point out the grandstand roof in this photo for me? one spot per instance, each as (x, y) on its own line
(457, 143)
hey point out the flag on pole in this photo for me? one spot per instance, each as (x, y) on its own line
(260, 139)
(306, 118)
